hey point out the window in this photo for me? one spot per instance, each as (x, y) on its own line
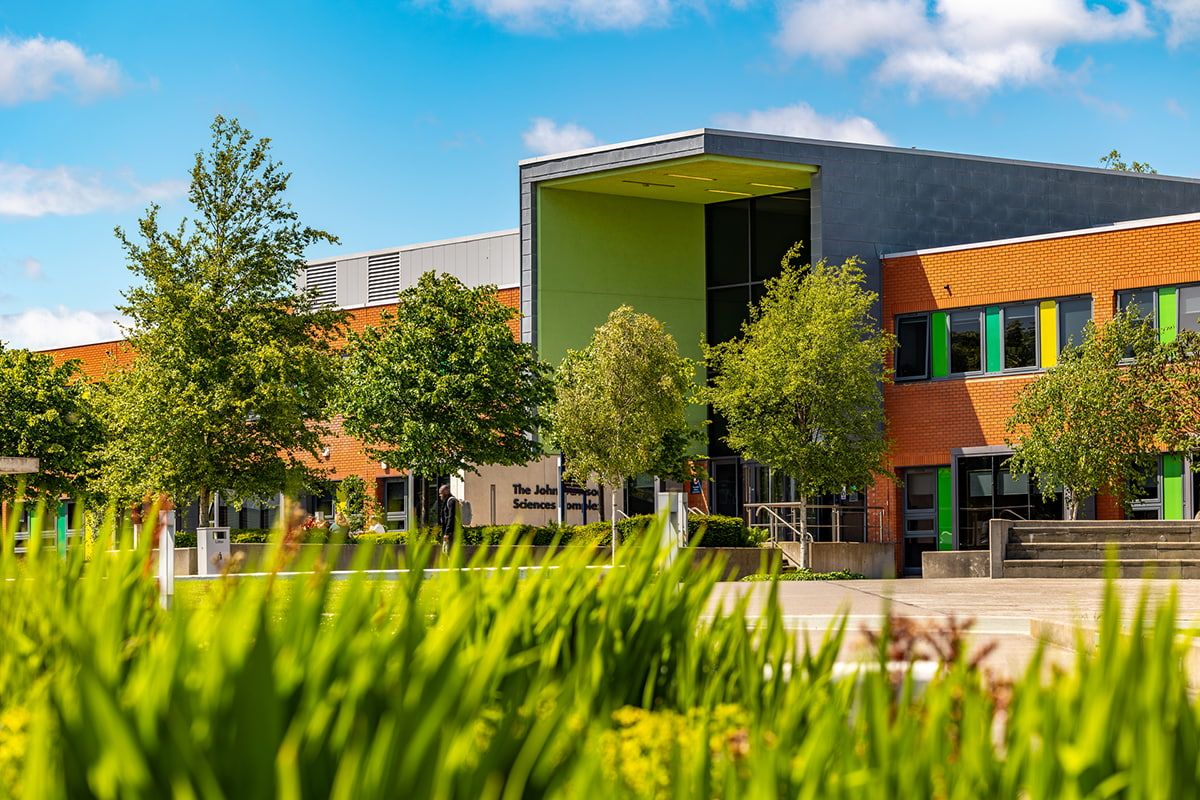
(779, 222)
(1189, 308)
(987, 490)
(1073, 317)
(966, 341)
(1140, 299)
(1020, 337)
(912, 347)
(1147, 494)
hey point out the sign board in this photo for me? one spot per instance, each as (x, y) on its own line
(18, 466)
(696, 487)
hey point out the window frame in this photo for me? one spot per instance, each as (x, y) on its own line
(928, 356)
(1179, 305)
(1059, 344)
(979, 312)
(1037, 338)
(1153, 290)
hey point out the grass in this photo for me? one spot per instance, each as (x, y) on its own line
(565, 683)
(807, 575)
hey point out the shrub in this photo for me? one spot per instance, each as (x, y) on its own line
(720, 531)
(808, 575)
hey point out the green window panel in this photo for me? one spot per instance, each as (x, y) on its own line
(992, 341)
(939, 344)
(1166, 314)
(1172, 466)
(60, 529)
(945, 510)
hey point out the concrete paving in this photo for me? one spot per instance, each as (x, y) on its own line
(1003, 610)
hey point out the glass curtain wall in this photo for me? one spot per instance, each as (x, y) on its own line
(745, 242)
(987, 490)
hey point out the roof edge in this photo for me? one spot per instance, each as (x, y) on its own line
(1111, 227)
(474, 237)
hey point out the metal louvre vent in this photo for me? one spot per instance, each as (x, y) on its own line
(383, 277)
(322, 278)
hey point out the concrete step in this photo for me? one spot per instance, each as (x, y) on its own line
(1095, 568)
(1101, 535)
(1126, 549)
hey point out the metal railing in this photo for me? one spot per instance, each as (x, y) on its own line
(839, 524)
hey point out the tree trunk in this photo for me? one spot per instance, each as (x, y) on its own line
(1072, 504)
(615, 535)
(205, 503)
(805, 552)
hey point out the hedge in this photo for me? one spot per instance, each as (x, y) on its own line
(718, 531)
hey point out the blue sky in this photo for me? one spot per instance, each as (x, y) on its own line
(404, 122)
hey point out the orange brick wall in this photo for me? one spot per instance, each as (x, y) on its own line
(346, 456)
(928, 418)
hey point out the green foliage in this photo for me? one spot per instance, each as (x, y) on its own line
(556, 683)
(440, 386)
(620, 403)
(46, 412)
(1114, 161)
(351, 504)
(800, 388)
(809, 575)
(1171, 376)
(233, 366)
(720, 531)
(1088, 423)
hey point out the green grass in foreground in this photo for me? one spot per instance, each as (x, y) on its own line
(566, 683)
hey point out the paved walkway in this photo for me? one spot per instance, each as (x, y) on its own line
(1003, 610)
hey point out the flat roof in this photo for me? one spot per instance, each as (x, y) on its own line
(833, 143)
(1148, 222)
(418, 246)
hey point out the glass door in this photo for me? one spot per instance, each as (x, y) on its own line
(395, 503)
(920, 517)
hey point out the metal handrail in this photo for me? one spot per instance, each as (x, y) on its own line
(835, 525)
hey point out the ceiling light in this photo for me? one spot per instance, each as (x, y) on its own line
(689, 177)
(724, 191)
(648, 184)
(774, 186)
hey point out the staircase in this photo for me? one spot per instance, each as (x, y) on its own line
(1082, 549)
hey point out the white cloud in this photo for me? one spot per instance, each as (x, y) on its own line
(545, 136)
(32, 269)
(1183, 20)
(801, 120)
(35, 69)
(33, 192)
(528, 15)
(46, 328)
(956, 48)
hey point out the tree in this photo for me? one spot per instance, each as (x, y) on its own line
(620, 405)
(1114, 161)
(1174, 387)
(48, 414)
(234, 365)
(1088, 424)
(800, 388)
(440, 386)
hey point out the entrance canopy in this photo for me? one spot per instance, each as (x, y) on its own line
(696, 179)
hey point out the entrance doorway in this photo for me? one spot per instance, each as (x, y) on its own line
(920, 516)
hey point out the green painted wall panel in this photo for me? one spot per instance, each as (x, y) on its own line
(1172, 486)
(939, 344)
(1166, 314)
(945, 510)
(597, 251)
(992, 343)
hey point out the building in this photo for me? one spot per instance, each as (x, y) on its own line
(977, 322)
(688, 226)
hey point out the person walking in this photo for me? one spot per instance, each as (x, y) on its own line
(448, 515)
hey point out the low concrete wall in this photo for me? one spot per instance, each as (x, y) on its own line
(873, 559)
(956, 564)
